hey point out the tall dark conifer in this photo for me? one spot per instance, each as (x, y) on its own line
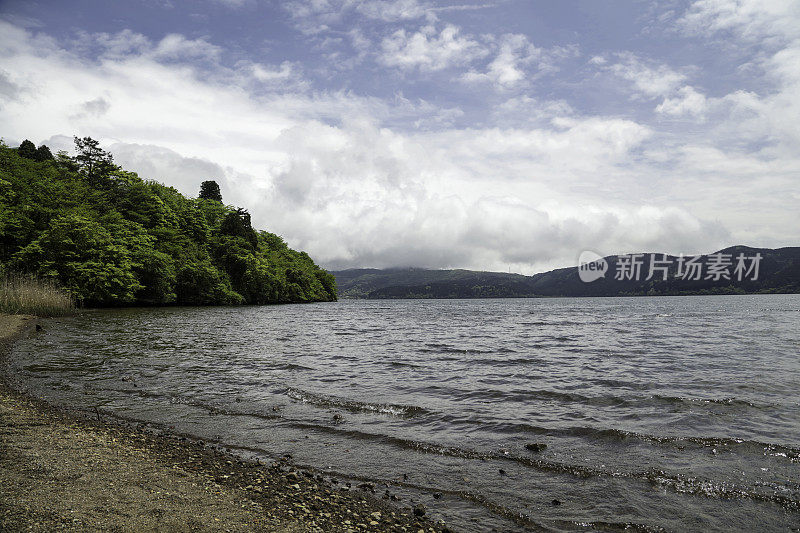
(209, 190)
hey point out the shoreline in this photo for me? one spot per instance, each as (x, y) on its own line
(60, 469)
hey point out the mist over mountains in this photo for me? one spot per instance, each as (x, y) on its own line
(778, 272)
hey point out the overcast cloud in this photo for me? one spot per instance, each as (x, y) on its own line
(486, 135)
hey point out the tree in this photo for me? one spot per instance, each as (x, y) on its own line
(209, 190)
(27, 149)
(94, 162)
(92, 261)
(237, 224)
(43, 153)
(116, 239)
(66, 162)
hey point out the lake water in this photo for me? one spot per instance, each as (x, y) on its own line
(680, 413)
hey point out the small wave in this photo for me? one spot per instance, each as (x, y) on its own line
(620, 435)
(517, 361)
(293, 366)
(703, 487)
(448, 348)
(401, 364)
(352, 405)
(707, 442)
(558, 338)
(190, 402)
(735, 402)
(678, 482)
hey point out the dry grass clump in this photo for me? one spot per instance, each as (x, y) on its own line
(27, 295)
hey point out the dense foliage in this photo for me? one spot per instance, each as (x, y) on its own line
(111, 238)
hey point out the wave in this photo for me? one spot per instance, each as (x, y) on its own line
(401, 364)
(735, 402)
(448, 348)
(191, 402)
(353, 405)
(679, 483)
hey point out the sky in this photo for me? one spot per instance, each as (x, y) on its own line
(506, 135)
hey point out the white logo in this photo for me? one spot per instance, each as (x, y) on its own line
(591, 266)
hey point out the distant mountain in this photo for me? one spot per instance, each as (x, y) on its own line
(723, 272)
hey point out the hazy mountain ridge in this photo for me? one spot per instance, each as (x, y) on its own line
(779, 272)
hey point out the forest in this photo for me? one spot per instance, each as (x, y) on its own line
(111, 238)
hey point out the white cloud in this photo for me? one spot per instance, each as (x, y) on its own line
(263, 73)
(650, 80)
(429, 50)
(507, 69)
(766, 117)
(232, 3)
(176, 47)
(325, 170)
(686, 102)
(753, 20)
(318, 16)
(393, 10)
(517, 62)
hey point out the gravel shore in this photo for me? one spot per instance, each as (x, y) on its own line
(63, 471)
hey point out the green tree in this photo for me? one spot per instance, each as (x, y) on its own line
(43, 154)
(209, 190)
(27, 149)
(237, 224)
(201, 284)
(86, 258)
(93, 162)
(112, 238)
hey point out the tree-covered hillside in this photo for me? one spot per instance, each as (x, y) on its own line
(112, 238)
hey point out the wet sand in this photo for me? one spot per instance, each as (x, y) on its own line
(63, 471)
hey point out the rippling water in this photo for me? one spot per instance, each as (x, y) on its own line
(680, 413)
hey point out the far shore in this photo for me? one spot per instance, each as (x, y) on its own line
(60, 470)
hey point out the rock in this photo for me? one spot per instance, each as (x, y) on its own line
(338, 418)
(419, 510)
(556, 502)
(437, 495)
(536, 447)
(376, 516)
(502, 472)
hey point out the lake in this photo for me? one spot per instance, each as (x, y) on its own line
(680, 413)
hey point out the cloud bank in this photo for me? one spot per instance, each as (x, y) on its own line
(525, 179)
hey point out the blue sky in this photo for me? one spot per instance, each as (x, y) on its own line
(492, 134)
